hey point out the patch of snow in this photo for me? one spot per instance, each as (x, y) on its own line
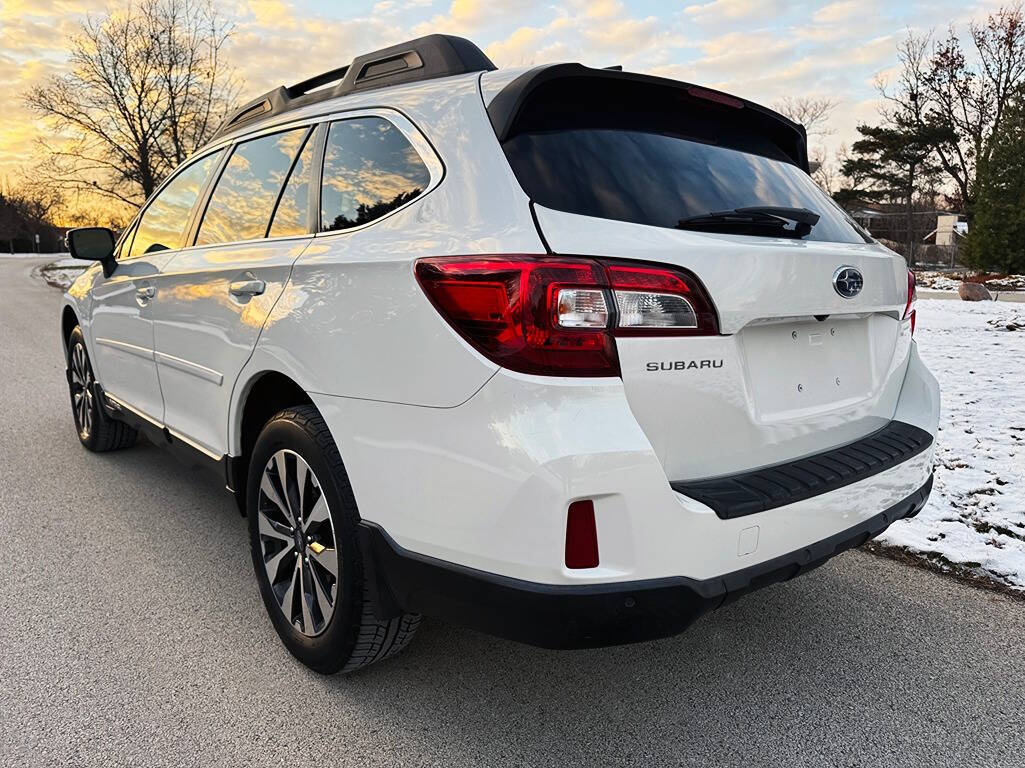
(69, 261)
(950, 281)
(60, 277)
(975, 517)
(62, 272)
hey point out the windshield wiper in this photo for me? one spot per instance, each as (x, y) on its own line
(756, 219)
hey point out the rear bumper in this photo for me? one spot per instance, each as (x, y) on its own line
(586, 615)
(486, 485)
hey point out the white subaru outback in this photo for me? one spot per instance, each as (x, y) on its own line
(566, 355)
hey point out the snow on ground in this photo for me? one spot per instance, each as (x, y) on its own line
(951, 281)
(975, 518)
(63, 272)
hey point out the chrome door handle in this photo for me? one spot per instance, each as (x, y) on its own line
(247, 287)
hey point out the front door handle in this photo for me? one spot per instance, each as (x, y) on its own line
(247, 287)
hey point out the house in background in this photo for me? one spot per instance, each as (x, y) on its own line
(935, 235)
(951, 230)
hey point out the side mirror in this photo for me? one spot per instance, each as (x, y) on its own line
(93, 244)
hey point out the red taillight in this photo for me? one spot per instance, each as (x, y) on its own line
(909, 307)
(558, 315)
(506, 307)
(581, 535)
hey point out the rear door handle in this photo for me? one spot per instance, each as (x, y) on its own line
(247, 287)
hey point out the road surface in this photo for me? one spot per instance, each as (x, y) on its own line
(132, 633)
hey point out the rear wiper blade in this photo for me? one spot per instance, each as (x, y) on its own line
(756, 217)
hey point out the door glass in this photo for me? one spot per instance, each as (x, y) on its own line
(290, 218)
(125, 245)
(369, 169)
(244, 197)
(162, 226)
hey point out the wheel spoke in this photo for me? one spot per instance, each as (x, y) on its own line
(267, 486)
(301, 471)
(307, 615)
(327, 559)
(321, 594)
(273, 563)
(288, 598)
(274, 530)
(281, 465)
(318, 514)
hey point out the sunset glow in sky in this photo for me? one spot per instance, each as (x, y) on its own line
(760, 49)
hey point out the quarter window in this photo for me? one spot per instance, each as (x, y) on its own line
(241, 204)
(370, 169)
(162, 226)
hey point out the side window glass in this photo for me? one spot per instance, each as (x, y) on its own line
(163, 223)
(244, 197)
(293, 208)
(369, 169)
(125, 244)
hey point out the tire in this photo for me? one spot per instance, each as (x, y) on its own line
(96, 430)
(325, 619)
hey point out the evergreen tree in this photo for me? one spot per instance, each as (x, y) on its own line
(891, 164)
(996, 239)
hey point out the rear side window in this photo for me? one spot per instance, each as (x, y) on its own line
(370, 169)
(292, 213)
(641, 157)
(241, 205)
(163, 223)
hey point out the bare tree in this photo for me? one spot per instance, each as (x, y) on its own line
(25, 211)
(811, 112)
(146, 88)
(960, 98)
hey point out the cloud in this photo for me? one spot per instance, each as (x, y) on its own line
(732, 9)
(759, 49)
(845, 10)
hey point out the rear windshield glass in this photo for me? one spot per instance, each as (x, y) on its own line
(658, 179)
(655, 152)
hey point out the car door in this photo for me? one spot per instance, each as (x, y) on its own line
(121, 323)
(216, 295)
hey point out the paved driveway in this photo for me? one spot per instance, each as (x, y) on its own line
(131, 632)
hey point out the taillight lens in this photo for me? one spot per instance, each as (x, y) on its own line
(559, 315)
(655, 301)
(909, 308)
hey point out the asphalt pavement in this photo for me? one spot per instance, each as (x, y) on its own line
(132, 633)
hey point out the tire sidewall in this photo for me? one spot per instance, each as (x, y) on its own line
(328, 651)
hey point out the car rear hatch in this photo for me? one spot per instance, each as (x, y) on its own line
(803, 358)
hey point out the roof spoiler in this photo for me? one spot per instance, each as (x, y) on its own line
(505, 108)
(425, 58)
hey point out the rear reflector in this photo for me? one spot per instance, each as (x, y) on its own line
(558, 316)
(909, 307)
(581, 536)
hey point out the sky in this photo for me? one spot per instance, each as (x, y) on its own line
(762, 50)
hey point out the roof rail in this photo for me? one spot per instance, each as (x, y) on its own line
(422, 59)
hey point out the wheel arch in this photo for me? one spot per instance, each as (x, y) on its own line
(263, 394)
(69, 319)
